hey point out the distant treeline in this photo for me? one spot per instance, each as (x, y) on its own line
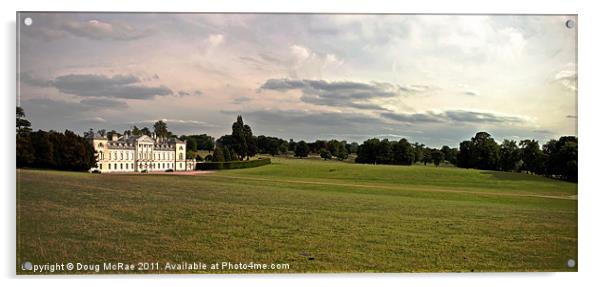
(53, 150)
(556, 158)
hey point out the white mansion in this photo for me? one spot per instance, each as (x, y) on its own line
(140, 154)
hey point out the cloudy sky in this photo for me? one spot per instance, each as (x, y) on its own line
(429, 78)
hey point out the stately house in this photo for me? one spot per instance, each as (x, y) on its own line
(140, 154)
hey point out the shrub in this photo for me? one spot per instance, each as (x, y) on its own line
(232, 164)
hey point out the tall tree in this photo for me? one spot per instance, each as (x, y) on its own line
(403, 152)
(486, 150)
(291, 145)
(44, 150)
(437, 156)
(418, 152)
(367, 151)
(25, 149)
(227, 154)
(301, 149)
(136, 131)
(23, 125)
(160, 128)
(218, 155)
(384, 152)
(562, 157)
(466, 155)
(145, 131)
(238, 135)
(250, 141)
(509, 156)
(532, 157)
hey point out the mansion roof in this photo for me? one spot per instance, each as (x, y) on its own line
(130, 142)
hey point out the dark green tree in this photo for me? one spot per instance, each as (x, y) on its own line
(218, 155)
(301, 149)
(239, 138)
(562, 157)
(160, 128)
(418, 152)
(25, 149)
(403, 152)
(44, 150)
(250, 141)
(227, 154)
(532, 156)
(384, 152)
(23, 125)
(509, 156)
(368, 151)
(136, 131)
(437, 156)
(145, 131)
(325, 154)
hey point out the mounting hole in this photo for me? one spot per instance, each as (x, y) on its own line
(570, 263)
(27, 266)
(569, 24)
(28, 21)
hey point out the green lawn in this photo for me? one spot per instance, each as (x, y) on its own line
(316, 216)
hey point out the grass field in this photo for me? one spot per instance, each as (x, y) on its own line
(316, 216)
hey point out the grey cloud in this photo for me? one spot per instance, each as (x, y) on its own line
(334, 102)
(414, 88)
(316, 119)
(99, 30)
(414, 118)
(118, 86)
(103, 103)
(480, 117)
(93, 120)
(471, 93)
(458, 116)
(27, 78)
(339, 94)
(54, 26)
(190, 93)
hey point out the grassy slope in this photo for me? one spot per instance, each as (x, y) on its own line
(347, 217)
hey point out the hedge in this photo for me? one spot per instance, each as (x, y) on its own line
(232, 164)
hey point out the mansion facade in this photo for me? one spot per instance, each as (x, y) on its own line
(140, 154)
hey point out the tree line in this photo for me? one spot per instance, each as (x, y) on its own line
(52, 150)
(557, 158)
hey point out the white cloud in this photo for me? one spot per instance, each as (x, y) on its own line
(215, 40)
